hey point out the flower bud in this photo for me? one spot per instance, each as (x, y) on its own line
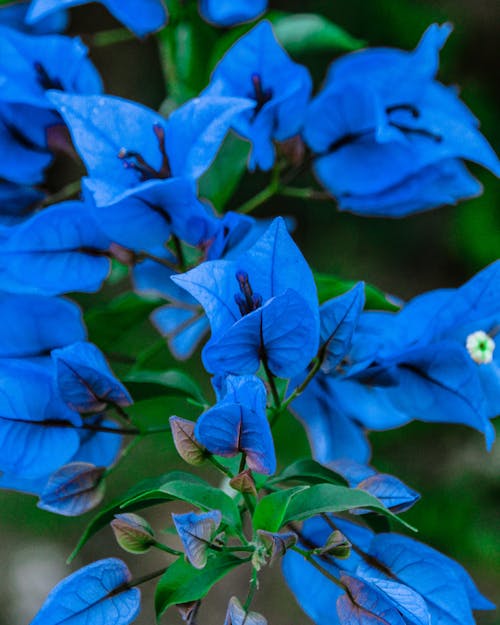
(336, 545)
(244, 483)
(132, 533)
(187, 446)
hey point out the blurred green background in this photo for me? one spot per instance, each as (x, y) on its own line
(449, 465)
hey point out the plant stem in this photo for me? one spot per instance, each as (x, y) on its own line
(167, 549)
(309, 557)
(218, 465)
(306, 193)
(157, 259)
(110, 37)
(254, 582)
(272, 383)
(67, 192)
(145, 578)
(261, 197)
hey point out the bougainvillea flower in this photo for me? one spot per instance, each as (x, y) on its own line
(196, 532)
(142, 168)
(37, 430)
(140, 16)
(14, 16)
(389, 139)
(97, 592)
(17, 201)
(57, 323)
(237, 615)
(85, 380)
(238, 424)
(56, 251)
(261, 305)
(258, 68)
(231, 12)
(400, 581)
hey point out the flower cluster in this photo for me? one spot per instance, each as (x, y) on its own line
(384, 137)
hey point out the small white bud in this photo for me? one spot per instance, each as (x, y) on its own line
(480, 347)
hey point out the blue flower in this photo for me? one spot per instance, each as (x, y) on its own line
(196, 532)
(435, 361)
(182, 320)
(37, 430)
(17, 201)
(142, 168)
(33, 325)
(262, 306)
(231, 12)
(56, 251)
(29, 66)
(151, 15)
(388, 577)
(98, 592)
(84, 379)
(14, 16)
(257, 68)
(388, 138)
(238, 423)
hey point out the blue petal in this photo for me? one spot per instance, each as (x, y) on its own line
(16, 201)
(196, 532)
(98, 592)
(150, 17)
(391, 491)
(339, 317)
(14, 15)
(56, 251)
(73, 489)
(231, 12)
(186, 336)
(85, 380)
(237, 615)
(196, 130)
(32, 325)
(368, 606)
(238, 423)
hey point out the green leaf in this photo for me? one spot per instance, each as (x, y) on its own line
(182, 583)
(310, 472)
(108, 324)
(330, 286)
(308, 32)
(270, 511)
(149, 383)
(115, 507)
(198, 493)
(324, 498)
(220, 181)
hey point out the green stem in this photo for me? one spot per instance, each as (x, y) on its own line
(317, 362)
(264, 195)
(167, 549)
(181, 261)
(272, 384)
(126, 451)
(250, 548)
(67, 192)
(110, 37)
(218, 465)
(309, 557)
(254, 582)
(144, 578)
(306, 193)
(157, 259)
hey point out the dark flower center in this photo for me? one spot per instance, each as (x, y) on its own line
(260, 95)
(247, 300)
(44, 80)
(135, 160)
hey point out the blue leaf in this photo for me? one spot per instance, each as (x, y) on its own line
(99, 593)
(231, 12)
(365, 605)
(237, 615)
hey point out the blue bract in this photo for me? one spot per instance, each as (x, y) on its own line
(389, 578)
(84, 379)
(258, 68)
(262, 306)
(196, 532)
(435, 360)
(99, 592)
(14, 16)
(141, 17)
(238, 423)
(56, 251)
(230, 12)
(389, 139)
(29, 66)
(33, 325)
(142, 168)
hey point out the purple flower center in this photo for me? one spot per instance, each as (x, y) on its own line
(135, 160)
(247, 300)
